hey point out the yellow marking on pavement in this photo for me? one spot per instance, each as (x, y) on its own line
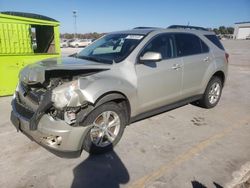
(142, 182)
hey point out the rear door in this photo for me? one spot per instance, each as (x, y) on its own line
(196, 59)
(159, 83)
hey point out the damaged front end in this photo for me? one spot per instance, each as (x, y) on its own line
(50, 106)
(69, 104)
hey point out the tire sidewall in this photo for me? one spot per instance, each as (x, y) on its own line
(206, 94)
(87, 143)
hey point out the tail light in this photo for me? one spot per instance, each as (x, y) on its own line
(227, 56)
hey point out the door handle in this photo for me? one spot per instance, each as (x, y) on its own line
(206, 59)
(176, 66)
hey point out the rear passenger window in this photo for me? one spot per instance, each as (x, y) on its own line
(189, 44)
(214, 39)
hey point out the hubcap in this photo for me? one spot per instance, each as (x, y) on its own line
(105, 128)
(214, 93)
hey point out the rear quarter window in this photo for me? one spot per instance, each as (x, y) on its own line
(204, 47)
(214, 39)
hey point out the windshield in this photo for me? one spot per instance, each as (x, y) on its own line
(111, 48)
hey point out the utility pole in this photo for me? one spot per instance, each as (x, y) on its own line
(74, 16)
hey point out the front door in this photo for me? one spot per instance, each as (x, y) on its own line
(159, 83)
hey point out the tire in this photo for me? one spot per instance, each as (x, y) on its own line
(76, 46)
(90, 142)
(207, 100)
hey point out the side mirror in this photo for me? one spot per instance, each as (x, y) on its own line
(151, 56)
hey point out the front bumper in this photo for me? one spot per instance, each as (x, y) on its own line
(52, 133)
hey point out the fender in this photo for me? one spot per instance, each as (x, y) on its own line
(111, 96)
(100, 90)
(218, 65)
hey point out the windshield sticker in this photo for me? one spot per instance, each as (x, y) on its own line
(134, 37)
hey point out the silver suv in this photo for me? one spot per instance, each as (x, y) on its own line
(86, 101)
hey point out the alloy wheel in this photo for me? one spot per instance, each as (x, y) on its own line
(105, 129)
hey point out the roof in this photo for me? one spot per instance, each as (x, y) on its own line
(147, 30)
(242, 23)
(29, 15)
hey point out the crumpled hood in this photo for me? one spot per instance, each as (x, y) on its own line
(35, 73)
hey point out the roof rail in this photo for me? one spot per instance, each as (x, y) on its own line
(187, 27)
(28, 15)
(146, 28)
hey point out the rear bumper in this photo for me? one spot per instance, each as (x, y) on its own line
(51, 133)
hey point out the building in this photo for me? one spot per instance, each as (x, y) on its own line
(241, 30)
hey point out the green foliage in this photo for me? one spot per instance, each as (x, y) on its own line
(216, 31)
(93, 35)
(230, 30)
(223, 30)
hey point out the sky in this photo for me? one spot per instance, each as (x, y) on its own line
(112, 15)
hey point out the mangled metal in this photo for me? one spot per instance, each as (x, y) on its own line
(48, 88)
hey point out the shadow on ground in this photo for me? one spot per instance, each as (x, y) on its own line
(105, 170)
(197, 184)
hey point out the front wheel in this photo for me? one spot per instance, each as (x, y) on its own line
(106, 126)
(212, 93)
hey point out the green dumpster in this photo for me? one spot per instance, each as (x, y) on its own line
(24, 38)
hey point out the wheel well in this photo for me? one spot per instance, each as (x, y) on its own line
(118, 98)
(220, 75)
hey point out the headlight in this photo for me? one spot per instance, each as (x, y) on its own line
(67, 94)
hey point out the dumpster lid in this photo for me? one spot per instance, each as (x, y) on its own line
(29, 15)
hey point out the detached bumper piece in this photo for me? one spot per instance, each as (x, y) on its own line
(45, 104)
(23, 110)
(15, 121)
(28, 114)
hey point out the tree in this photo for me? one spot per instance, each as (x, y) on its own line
(230, 30)
(216, 31)
(223, 30)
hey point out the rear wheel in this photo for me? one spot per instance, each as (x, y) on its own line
(212, 93)
(106, 126)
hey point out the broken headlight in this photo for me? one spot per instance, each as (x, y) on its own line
(67, 94)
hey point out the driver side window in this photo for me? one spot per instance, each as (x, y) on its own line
(163, 44)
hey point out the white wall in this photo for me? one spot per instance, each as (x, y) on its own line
(241, 31)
